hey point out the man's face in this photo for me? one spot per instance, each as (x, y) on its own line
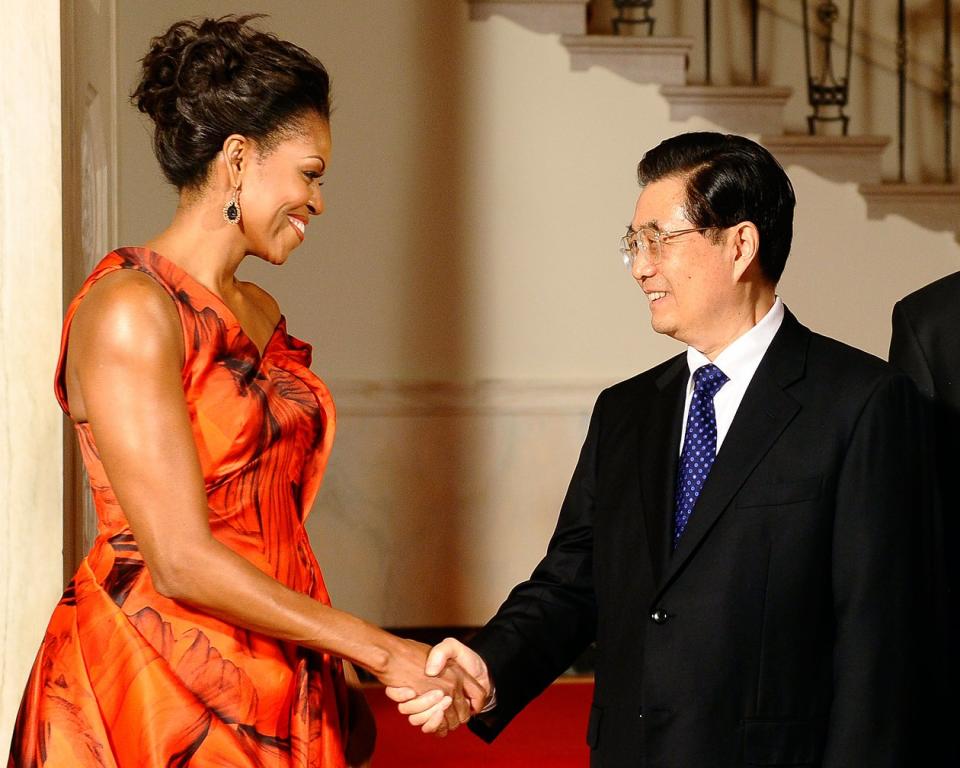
(692, 291)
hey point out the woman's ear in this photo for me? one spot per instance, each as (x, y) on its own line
(236, 148)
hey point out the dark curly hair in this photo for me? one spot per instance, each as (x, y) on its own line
(729, 179)
(202, 81)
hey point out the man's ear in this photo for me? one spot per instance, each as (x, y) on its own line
(236, 149)
(745, 243)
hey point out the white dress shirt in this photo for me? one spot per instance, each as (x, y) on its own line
(738, 362)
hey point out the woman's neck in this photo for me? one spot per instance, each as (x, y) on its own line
(202, 244)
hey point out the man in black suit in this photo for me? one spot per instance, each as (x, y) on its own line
(925, 345)
(742, 533)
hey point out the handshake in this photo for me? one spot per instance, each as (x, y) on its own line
(453, 685)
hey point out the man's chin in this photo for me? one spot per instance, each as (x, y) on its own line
(661, 325)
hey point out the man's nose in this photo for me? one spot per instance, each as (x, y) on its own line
(643, 267)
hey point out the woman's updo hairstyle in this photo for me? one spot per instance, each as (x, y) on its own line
(203, 81)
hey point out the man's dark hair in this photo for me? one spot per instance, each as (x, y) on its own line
(204, 80)
(729, 179)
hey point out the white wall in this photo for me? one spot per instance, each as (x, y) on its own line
(31, 511)
(463, 291)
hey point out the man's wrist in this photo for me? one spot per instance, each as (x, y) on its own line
(491, 702)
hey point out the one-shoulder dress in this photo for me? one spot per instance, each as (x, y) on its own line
(127, 677)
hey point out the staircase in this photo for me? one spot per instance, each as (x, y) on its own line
(757, 110)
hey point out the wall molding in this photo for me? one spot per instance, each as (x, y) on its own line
(544, 16)
(377, 398)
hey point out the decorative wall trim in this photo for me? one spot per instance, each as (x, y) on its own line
(739, 108)
(548, 16)
(660, 60)
(827, 145)
(113, 219)
(934, 206)
(841, 158)
(435, 398)
(91, 100)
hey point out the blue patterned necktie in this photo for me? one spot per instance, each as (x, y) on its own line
(699, 445)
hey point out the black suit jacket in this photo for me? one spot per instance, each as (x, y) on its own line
(926, 345)
(782, 631)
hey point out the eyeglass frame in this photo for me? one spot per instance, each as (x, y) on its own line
(661, 238)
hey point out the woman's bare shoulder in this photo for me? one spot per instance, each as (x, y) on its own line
(127, 312)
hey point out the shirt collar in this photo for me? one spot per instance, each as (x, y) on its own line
(740, 359)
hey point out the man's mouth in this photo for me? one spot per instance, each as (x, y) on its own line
(654, 296)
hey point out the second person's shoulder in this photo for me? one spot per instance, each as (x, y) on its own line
(935, 305)
(851, 373)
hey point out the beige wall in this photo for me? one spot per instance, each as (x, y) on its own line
(462, 289)
(31, 510)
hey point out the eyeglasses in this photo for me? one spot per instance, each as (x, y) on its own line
(649, 242)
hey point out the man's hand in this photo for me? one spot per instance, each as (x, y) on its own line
(449, 689)
(428, 710)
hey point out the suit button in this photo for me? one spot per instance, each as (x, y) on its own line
(660, 616)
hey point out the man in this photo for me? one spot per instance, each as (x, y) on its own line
(740, 536)
(925, 345)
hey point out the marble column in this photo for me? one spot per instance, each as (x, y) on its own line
(31, 440)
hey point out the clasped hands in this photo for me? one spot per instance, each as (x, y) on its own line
(461, 689)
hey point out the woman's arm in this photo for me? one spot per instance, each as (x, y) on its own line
(124, 378)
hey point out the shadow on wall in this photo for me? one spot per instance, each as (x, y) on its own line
(433, 453)
(388, 523)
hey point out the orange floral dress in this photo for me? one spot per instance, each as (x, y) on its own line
(126, 677)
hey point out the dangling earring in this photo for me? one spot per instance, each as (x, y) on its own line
(231, 211)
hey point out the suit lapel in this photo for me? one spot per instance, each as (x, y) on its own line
(659, 448)
(764, 412)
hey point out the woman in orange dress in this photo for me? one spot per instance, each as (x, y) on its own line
(198, 631)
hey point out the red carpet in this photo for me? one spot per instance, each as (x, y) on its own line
(551, 731)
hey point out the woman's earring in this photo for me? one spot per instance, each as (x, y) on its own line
(231, 211)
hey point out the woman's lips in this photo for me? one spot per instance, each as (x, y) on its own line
(299, 226)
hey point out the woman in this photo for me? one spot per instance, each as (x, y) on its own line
(198, 629)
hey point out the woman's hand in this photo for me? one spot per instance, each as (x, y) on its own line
(362, 733)
(451, 689)
(424, 710)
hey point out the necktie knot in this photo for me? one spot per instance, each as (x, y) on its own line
(708, 379)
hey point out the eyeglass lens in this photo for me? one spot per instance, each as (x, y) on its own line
(645, 241)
